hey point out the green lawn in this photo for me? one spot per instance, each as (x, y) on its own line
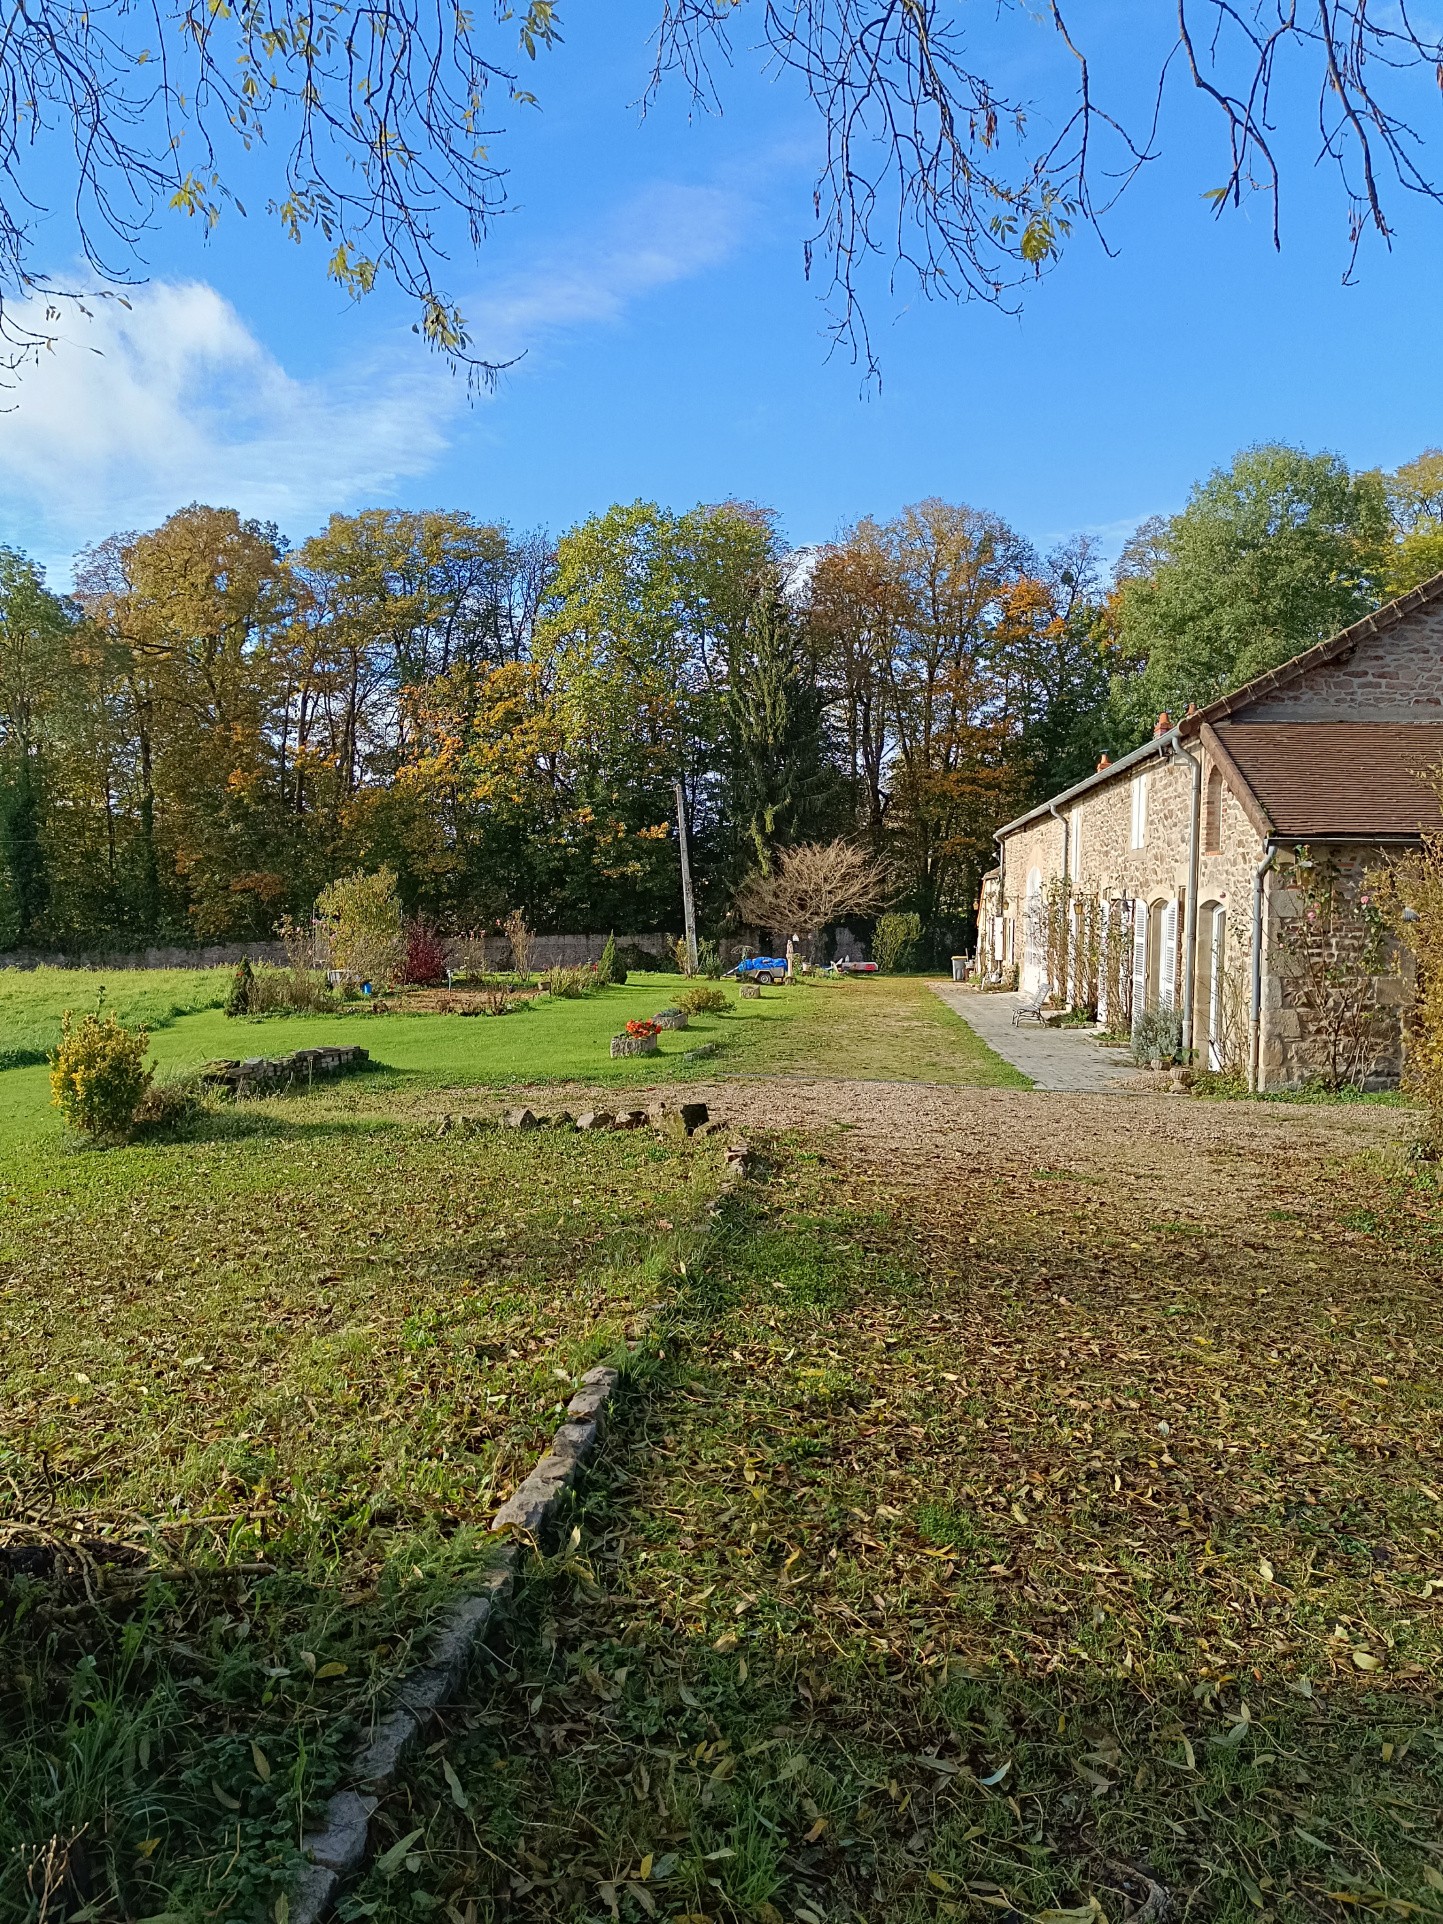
(892, 1028)
(288, 1360)
(32, 1002)
(294, 1360)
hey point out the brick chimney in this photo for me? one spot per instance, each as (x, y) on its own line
(1164, 725)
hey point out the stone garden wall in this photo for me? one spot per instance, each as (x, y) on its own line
(547, 952)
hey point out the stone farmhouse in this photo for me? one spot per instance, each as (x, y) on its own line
(1221, 871)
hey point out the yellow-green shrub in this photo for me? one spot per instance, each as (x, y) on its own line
(704, 1000)
(98, 1076)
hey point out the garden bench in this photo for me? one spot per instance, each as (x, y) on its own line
(1032, 1005)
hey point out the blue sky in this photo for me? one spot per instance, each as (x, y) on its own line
(652, 272)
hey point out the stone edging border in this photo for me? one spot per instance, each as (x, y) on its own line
(338, 1850)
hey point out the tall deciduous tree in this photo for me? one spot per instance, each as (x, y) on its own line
(1270, 554)
(1415, 499)
(776, 783)
(909, 616)
(38, 712)
(188, 614)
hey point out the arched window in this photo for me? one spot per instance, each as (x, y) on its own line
(1213, 813)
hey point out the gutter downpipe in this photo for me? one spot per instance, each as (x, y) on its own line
(1176, 751)
(1255, 1024)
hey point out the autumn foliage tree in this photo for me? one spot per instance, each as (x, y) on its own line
(216, 726)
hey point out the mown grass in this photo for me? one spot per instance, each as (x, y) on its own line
(32, 1002)
(992, 1546)
(889, 1028)
(293, 1360)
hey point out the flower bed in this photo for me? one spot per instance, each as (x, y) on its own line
(639, 1040)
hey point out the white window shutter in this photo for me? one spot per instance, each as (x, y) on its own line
(1139, 959)
(1139, 811)
(1167, 982)
(1216, 987)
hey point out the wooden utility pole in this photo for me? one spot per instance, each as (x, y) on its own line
(688, 900)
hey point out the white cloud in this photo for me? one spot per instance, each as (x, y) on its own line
(139, 409)
(664, 235)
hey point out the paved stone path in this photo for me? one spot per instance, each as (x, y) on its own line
(1054, 1058)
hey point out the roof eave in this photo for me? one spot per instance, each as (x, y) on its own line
(1404, 838)
(1156, 746)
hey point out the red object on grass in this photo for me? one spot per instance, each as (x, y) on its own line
(425, 963)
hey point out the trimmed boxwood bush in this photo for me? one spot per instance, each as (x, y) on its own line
(98, 1077)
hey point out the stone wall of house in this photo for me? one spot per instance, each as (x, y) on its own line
(1393, 676)
(1102, 859)
(1310, 1027)
(1396, 675)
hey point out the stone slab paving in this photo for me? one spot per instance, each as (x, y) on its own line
(1054, 1058)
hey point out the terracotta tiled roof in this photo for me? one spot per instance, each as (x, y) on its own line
(1324, 779)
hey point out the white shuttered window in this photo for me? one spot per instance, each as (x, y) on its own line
(1139, 959)
(1139, 811)
(1167, 972)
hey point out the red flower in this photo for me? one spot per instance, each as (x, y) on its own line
(643, 1028)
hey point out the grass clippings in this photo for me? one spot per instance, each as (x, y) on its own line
(1016, 1546)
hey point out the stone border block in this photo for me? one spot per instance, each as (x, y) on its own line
(337, 1852)
(530, 1506)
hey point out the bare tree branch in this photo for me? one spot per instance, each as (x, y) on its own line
(812, 886)
(369, 124)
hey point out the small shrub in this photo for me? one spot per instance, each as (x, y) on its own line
(895, 941)
(611, 970)
(571, 983)
(704, 1000)
(682, 952)
(289, 991)
(98, 1077)
(1157, 1036)
(359, 919)
(238, 1002)
(466, 954)
(708, 959)
(423, 966)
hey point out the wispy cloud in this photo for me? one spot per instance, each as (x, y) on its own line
(141, 408)
(664, 235)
